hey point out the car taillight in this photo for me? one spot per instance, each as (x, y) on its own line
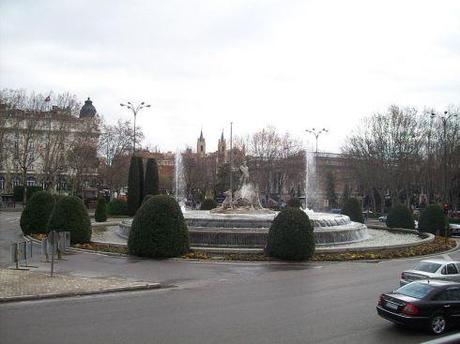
(410, 309)
(380, 303)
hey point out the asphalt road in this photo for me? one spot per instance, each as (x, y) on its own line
(217, 303)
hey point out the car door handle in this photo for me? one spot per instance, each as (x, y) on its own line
(446, 306)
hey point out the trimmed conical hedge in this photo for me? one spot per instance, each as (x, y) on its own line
(101, 210)
(134, 192)
(152, 181)
(70, 214)
(291, 236)
(352, 208)
(36, 214)
(400, 217)
(141, 180)
(433, 220)
(159, 229)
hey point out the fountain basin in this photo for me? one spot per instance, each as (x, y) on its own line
(207, 229)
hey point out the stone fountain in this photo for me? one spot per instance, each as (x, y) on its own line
(241, 221)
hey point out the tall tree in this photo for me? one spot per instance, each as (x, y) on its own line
(151, 183)
(134, 192)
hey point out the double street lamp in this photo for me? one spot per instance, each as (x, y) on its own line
(316, 133)
(444, 118)
(135, 109)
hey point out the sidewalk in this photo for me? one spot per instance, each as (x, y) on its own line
(21, 285)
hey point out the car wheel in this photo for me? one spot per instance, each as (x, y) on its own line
(438, 324)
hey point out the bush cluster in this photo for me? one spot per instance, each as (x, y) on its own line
(117, 207)
(400, 217)
(70, 214)
(101, 210)
(208, 204)
(35, 216)
(159, 229)
(352, 208)
(433, 220)
(291, 236)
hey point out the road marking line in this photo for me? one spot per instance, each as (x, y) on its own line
(447, 257)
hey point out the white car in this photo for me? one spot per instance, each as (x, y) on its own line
(432, 269)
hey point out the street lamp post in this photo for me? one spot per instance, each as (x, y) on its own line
(135, 109)
(316, 133)
(231, 161)
(444, 118)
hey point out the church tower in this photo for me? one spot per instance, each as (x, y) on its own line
(201, 146)
(221, 150)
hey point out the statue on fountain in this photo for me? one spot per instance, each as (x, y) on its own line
(245, 199)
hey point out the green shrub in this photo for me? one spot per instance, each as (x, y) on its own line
(101, 210)
(433, 220)
(294, 203)
(291, 236)
(146, 198)
(18, 192)
(454, 220)
(208, 204)
(400, 217)
(36, 214)
(134, 191)
(352, 208)
(117, 207)
(158, 229)
(152, 181)
(70, 214)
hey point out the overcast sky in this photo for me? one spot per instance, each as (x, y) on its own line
(202, 64)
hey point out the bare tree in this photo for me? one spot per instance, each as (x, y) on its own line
(115, 146)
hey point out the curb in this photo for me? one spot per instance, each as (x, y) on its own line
(79, 293)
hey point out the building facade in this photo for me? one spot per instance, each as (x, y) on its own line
(50, 148)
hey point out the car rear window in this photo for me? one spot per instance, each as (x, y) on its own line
(427, 266)
(415, 289)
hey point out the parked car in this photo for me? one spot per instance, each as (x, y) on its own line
(432, 269)
(433, 305)
(454, 229)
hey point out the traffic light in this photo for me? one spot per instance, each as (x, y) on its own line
(445, 208)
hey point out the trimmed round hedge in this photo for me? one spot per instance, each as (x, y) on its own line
(433, 220)
(352, 208)
(159, 229)
(101, 210)
(36, 214)
(208, 204)
(291, 236)
(70, 214)
(117, 207)
(400, 217)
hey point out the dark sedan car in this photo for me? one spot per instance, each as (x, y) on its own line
(429, 304)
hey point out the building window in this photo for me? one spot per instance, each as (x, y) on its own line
(16, 181)
(30, 181)
(2, 183)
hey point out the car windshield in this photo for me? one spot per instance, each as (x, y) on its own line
(427, 266)
(415, 289)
